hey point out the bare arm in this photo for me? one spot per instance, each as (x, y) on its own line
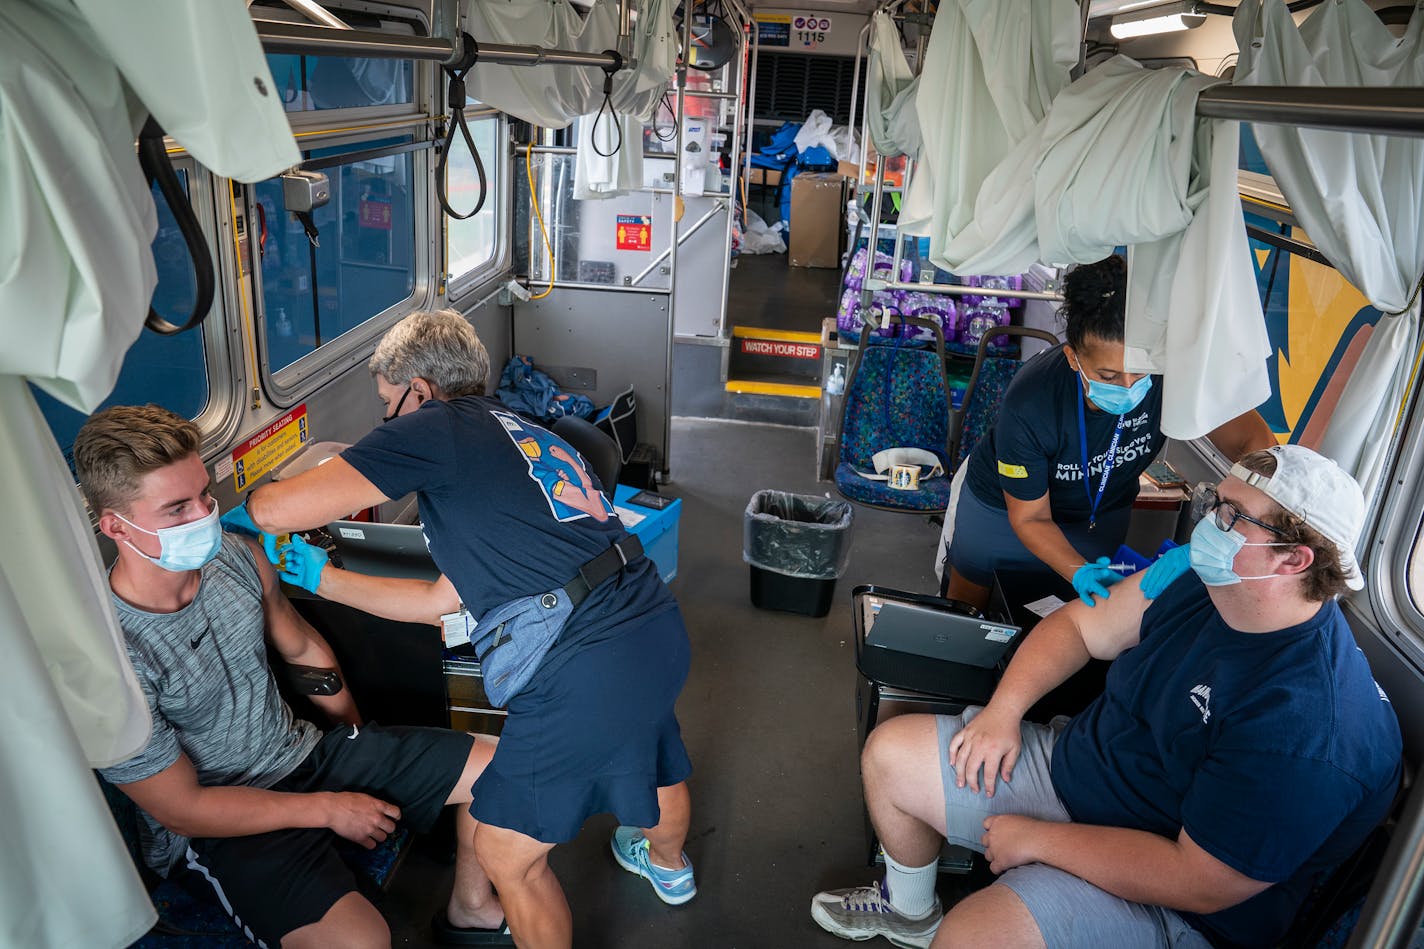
(1033, 522)
(313, 498)
(402, 599)
(1242, 435)
(1058, 647)
(177, 801)
(298, 643)
(1132, 864)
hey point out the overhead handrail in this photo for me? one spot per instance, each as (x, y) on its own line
(282, 37)
(1377, 110)
(455, 104)
(153, 158)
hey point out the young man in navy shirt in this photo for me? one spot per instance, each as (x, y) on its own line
(1240, 750)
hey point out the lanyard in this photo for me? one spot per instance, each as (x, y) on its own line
(1108, 461)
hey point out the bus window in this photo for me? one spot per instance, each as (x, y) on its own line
(1317, 323)
(364, 264)
(315, 83)
(168, 370)
(473, 242)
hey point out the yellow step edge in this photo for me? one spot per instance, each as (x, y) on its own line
(780, 336)
(747, 387)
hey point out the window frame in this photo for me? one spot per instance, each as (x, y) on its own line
(292, 383)
(459, 287)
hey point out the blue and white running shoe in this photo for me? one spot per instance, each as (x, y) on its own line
(630, 849)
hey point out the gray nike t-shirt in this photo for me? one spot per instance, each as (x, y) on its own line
(210, 692)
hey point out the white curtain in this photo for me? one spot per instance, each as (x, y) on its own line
(1121, 158)
(991, 70)
(76, 275)
(609, 162)
(1360, 198)
(553, 96)
(891, 87)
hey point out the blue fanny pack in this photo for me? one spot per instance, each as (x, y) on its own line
(512, 639)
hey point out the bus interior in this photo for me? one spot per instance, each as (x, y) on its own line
(693, 287)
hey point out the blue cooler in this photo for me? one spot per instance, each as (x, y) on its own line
(655, 529)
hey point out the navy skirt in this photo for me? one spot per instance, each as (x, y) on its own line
(984, 540)
(597, 734)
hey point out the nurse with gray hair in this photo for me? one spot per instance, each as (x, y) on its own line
(577, 635)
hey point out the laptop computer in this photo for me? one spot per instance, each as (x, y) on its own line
(383, 550)
(921, 646)
(935, 633)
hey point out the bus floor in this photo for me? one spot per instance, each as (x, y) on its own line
(768, 715)
(764, 291)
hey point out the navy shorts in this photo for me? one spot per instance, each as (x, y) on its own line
(594, 734)
(984, 541)
(273, 883)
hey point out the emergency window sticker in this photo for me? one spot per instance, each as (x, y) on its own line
(1018, 472)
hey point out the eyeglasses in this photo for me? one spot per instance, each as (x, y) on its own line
(1206, 501)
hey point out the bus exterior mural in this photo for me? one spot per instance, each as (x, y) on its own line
(1318, 326)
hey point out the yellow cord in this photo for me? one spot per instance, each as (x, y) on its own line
(543, 232)
(253, 251)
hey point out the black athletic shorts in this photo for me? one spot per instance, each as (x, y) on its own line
(276, 882)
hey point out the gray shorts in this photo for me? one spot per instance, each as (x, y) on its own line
(1069, 912)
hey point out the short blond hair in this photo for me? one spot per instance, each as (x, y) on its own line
(121, 444)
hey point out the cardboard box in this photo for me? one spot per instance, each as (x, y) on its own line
(764, 176)
(817, 205)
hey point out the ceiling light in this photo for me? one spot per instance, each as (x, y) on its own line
(1162, 18)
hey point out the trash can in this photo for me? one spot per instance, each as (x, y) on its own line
(797, 546)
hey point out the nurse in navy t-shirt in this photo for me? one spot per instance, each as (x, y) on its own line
(510, 510)
(1022, 501)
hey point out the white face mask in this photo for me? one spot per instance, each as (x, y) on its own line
(184, 547)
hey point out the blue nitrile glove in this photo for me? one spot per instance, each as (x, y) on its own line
(302, 564)
(238, 521)
(1093, 579)
(1166, 569)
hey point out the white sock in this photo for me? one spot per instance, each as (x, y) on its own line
(912, 889)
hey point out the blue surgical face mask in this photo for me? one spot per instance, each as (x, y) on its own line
(1213, 553)
(1115, 399)
(185, 547)
(1118, 400)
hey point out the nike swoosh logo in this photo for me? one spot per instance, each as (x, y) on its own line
(355, 730)
(194, 642)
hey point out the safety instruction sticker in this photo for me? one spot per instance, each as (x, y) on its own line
(769, 347)
(773, 29)
(269, 447)
(809, 32)
(635, 232)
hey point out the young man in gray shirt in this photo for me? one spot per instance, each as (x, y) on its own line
(232, 786)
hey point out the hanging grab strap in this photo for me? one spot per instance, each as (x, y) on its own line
(455, 102)
(608, 70)
(153, 158)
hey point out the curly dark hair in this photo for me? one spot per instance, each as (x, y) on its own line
(1094, 298)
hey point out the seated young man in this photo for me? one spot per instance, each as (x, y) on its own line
(1240, 750)
(232, 786)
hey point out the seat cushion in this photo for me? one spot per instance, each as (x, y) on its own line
(932, 496)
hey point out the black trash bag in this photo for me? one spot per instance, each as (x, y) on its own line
(798, 535)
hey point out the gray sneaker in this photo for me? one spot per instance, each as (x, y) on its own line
(864, 912)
